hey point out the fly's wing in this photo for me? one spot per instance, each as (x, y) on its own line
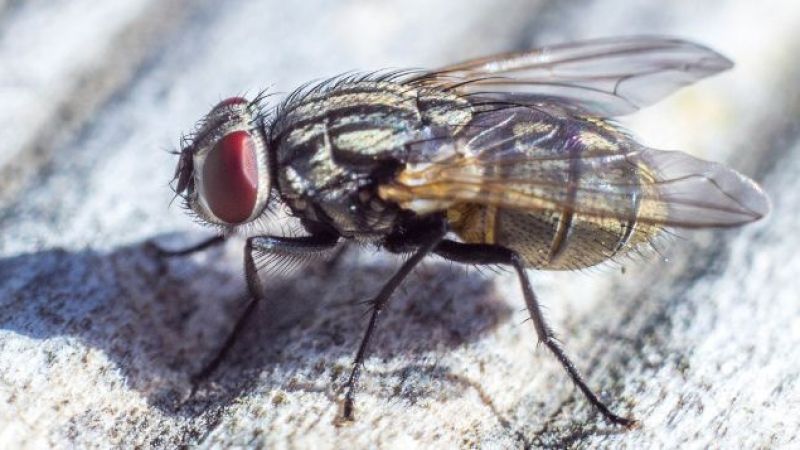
(605, 77)
(518, 159)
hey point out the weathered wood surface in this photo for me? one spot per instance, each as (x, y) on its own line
(97, 339)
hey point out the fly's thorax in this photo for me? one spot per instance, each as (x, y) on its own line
(334, 146)
(358, 214)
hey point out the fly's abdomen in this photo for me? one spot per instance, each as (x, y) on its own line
(561, 231)
(544, 241)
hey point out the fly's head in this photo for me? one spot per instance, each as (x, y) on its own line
(223, 171)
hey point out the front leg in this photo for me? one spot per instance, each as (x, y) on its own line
(200, 246)
(275, 248)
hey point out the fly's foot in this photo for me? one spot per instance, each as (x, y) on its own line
(161, 252)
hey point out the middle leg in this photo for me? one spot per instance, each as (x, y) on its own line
(427, 242)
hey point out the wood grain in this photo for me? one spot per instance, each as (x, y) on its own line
(98, 338)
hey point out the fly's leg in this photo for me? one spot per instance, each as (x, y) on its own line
(200, 246)
(475, 254)
(162, 253)
(280, 247)
(546, 337)
(428, 241)
(491, 254)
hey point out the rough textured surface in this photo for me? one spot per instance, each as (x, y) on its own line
(98, 338)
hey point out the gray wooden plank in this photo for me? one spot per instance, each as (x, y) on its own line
(60, 62)
(42, 51)
(98, 340)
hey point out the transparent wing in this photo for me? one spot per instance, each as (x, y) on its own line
(606, 77)
(698, 193)
(496, 165)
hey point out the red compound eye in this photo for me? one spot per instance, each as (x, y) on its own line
(230, 177)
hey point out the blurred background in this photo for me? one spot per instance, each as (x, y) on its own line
(98, 337)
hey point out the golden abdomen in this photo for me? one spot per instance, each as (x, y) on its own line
(549, 240)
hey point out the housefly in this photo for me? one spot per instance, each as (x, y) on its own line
(504, 160)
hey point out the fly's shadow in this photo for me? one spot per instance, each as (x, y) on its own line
(160, 321)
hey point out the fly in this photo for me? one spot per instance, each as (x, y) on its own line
(504, 160)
